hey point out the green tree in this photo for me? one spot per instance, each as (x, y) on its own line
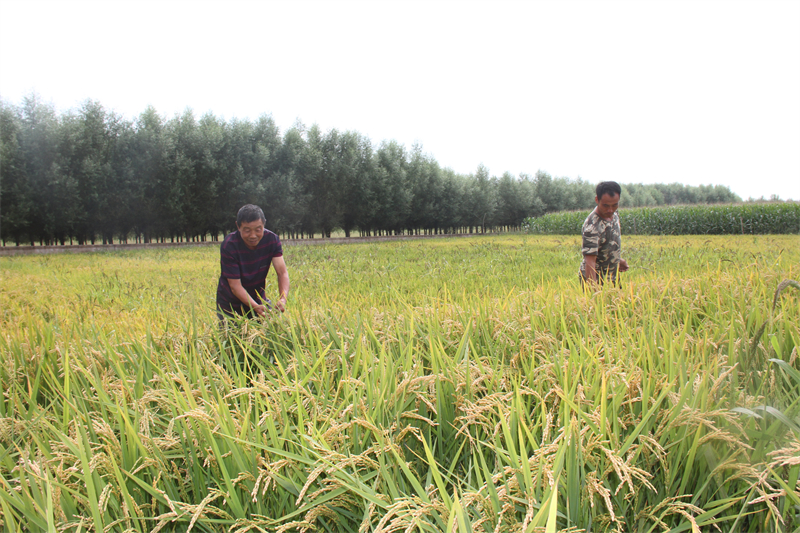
(118, 218)
(16, 196)
(147, 165)
(178, 181)
(211, 176)
(583, 195)
(38, 138)
(391, 186)
(87, 142)
(65, 217)
(451, 211)
(317, 171)
(352, 168)
(481, 201)
(257, 152)
(513, 201)
(292, 201)
(425, 182)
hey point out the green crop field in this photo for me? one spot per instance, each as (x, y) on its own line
(735, 219)
(463, 384)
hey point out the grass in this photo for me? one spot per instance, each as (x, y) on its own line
(450, 385)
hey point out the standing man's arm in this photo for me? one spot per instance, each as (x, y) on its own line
(283, 281)
(591, 267)
(241, 293)
(590, 248)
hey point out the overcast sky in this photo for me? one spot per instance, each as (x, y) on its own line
(696, 92)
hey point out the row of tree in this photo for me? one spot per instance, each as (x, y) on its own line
(90, 175)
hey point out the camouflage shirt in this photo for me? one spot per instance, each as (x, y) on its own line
(602, 238)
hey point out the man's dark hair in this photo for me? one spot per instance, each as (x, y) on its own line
(249, 213)
(610, 188)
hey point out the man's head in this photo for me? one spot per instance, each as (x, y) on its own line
(250, 220)
(250, 213)
(607, 199)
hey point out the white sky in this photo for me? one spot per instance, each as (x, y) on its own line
(696, 92)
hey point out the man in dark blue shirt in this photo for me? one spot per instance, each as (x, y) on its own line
(245, 258)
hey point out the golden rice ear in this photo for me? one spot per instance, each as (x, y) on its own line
(782, 285)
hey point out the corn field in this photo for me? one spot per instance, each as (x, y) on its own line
(739, 219)
(450, 385)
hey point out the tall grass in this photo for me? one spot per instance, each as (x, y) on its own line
(453, 385)
(740, 219)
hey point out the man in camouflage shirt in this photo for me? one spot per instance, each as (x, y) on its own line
(602, 238)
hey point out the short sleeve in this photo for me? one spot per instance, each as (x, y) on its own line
(229, 261)
(591, 239)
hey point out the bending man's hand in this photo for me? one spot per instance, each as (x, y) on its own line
(623, 265)
(283, 281)
(241, 293)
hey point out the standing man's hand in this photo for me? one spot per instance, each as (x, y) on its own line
(260, 310)
(281, 303)
(623, 265)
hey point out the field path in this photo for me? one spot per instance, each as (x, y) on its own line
(79, 248)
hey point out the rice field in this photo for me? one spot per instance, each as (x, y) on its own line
(446, 385)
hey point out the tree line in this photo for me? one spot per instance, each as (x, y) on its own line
(90, 175)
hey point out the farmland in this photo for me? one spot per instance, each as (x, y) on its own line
(452, 384)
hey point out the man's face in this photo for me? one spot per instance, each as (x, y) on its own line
(607, 205)
(251, 233)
